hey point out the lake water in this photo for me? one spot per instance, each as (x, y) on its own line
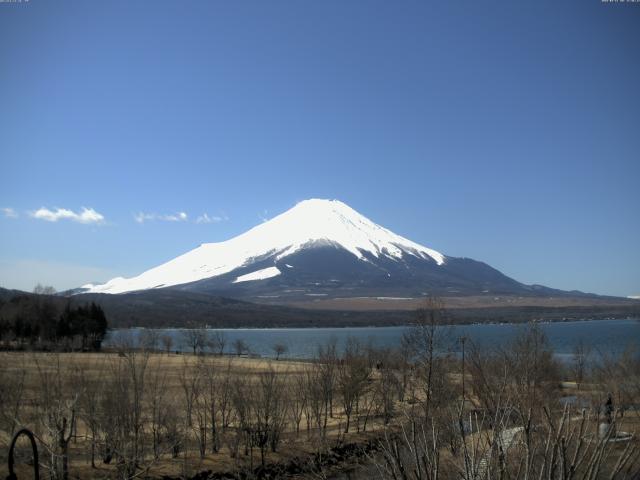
(604, 336)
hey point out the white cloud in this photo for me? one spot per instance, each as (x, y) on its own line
(178, 217)
(9, 212)
(205, 218)
(142, 217)
(86, 215)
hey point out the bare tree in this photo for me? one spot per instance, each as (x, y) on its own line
(269, 412)
(40, 289)
(490, 376)
(12, 386)
(58, 410)
(524, 372)
(427, 341)
(157, 407)
(217, 342)
(279, 349)
(91, 384)
(298, 399)
(619, 376)
(189, 382)
(149, 339)
(326, 366)
(167, 343)
(317, 400)
(210, 399)
(225, 396)
(534, 371)
(387, 390)
(581, 354)
(241, 397)
(202, 408)
(240, 347)
(174, 434)
(123, 411)
(353, 376)
(195, 339)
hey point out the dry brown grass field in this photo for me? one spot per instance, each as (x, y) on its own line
(79, 372)
(471, 301)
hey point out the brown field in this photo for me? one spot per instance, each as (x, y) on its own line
(472, 301)
(173, 369)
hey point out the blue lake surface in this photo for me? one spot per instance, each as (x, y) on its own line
(608, 337)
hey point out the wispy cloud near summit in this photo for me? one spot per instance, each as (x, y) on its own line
(142, 217)
(206, 218)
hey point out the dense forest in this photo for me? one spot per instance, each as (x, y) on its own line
(44, 321)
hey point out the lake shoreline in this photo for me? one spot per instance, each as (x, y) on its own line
(609, 336)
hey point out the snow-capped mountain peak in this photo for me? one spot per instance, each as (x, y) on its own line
(335, 222)
(310, 223)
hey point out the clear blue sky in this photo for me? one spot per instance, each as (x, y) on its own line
(508, 132)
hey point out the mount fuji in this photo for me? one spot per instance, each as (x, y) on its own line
(320, 249)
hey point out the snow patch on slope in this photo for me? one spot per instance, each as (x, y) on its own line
(258, 275)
